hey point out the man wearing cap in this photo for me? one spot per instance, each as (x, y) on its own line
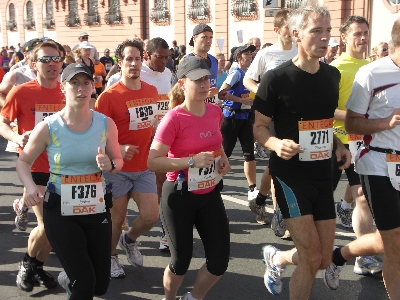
(268, 59)
(201, 42)
(354, 33)
(30, 103)
(132, 104)
(236, 123)
(26, 49)
(107, 60)
(84, 37)
(333, 47)
(18, 56)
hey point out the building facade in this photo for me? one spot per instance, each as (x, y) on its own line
(108, 22)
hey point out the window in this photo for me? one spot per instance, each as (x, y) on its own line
(113, 16)
(11, 24)
(48, 21)
(92, 16)
(72, 19)
(160, 14)
(29, 22)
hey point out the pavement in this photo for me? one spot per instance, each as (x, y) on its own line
(243, 279)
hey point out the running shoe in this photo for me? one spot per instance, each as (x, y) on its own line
(344, 215)
(21, 218)
(331, 276)
(164, 244)
(365, 265)
(252, 194)
(278, 225)
(43, 277)
(185, 297)
(63, 280)
(259, 151)
(25, 276)
(272, 276)
(259, 211)
(133, 255)
(117, 270)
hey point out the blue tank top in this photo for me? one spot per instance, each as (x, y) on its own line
(238, 89)
(74, 153)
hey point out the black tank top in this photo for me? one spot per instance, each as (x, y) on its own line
(91, 65)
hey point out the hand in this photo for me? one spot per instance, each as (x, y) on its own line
(247, 101)
(394, 118)
(222, 94)
(32, 196)
(103, 161)
(286, 149)
(203, 159)
(127, 151)
(344, 155)
(212, 92)
(23, 138)
(224, 166)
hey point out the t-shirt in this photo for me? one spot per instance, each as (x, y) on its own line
(113, 79)
(2, 73)
(135, 109)
(267, 59)
(348, 67)
(98, 77)
(220, 79)
(235, 81)
(375, 93)
(108, 62)
(30, 103)
(187, 134)
(289, 95)
(162, 81)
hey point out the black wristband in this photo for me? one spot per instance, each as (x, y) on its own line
(112, 165)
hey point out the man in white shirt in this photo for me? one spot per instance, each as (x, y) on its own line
(84, 37)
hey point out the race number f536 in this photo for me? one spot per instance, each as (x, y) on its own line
(44, 110)
(143, 113)
(316, 139)
(82, 195)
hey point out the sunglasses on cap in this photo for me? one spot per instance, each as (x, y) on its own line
(47, 59)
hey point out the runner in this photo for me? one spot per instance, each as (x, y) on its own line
(132, 104)
(42, 96)
(154, 72)
(191, 196)
(79, 233)
(301, 95)
(236, 123)
(373, 110)
(265, 60)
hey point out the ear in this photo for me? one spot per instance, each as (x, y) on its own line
(343, 37)
(296, 35)
(34, 65)
(119, 62)
(277, 29)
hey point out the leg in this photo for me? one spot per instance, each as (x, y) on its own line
(171, 283)
(250, 172)
(362, 218)
(265, 186)
(367, 245)
(391, 262)
(118, 214)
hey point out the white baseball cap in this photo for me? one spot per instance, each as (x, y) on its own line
(85, 45)
(333, 42)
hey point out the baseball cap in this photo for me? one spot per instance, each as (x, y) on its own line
(22, 45)
(106, 50)
(333, 42)
(85, 45)
(72, 69)
(242, 49)
(199, 29)
(192, 67)
(31, 44)
(83, 33)
(10, 51)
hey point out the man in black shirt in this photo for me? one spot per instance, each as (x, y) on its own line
(301, 95)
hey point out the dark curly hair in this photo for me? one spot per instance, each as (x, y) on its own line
(135, 42)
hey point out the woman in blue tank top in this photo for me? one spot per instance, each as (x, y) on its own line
(80, 144)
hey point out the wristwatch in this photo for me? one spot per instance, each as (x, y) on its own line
(112, 165)
(191, 162)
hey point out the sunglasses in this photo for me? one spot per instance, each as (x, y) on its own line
(47, 59)
(384, 49)
(84, 37)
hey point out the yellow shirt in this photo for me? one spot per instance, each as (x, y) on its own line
(348, 67)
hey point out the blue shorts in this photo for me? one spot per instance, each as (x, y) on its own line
(131, 182)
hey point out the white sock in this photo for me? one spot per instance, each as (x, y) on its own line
(22, 208)
(346, 205)
(190, 297)
(276, 261)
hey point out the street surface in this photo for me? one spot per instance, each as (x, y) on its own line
(243, 279)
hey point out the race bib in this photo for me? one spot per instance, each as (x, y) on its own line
(82, 195)
(245, 106)
(355, 142)
(143, 113)
(162, 105)
(212, 99)
(202, 178)
(108, 66)
(393, 163)
(11, 146)
(316, 139)
(44, 110)
(98, 79)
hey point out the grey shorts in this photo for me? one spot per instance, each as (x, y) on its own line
(128, 182)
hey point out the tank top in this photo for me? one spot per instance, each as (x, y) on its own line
(74, 153)
(90, 66)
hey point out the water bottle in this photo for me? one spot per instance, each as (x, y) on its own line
(180, 182)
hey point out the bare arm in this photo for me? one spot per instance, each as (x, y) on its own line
(284, 148)
(234, 98)
(339, 114)
(6, 85)
(9, 134)
(159, 162)
(358, 124)
(250, 84)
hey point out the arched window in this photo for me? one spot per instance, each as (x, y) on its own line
(48, 21)
(11, 24)
(29, 22)
(92, 16)
(113, 16)
(160, 14)
(72, 19)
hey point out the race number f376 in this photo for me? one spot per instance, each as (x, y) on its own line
(82, 195)
(316, 139)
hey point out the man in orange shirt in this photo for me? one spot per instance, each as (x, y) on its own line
(30, 103)
(132, 104)
(99, 72)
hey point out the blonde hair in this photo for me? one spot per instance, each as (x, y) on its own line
(176, 96)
